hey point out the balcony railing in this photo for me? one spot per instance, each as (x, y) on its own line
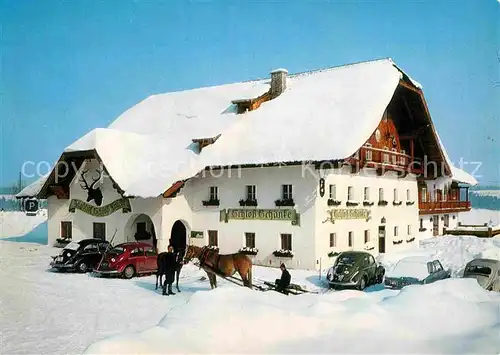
(385, 159)
(443, 206)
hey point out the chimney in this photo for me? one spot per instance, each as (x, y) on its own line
(278, 82)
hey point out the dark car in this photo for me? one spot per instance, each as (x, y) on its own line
(81, 256)
(128, 260)
(415, 270)
(355, 269)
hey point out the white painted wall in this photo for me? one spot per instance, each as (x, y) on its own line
(400, 216)
(188, 207)
(83, 223)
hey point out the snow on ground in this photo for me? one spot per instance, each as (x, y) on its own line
(15, 223)
(480, 216)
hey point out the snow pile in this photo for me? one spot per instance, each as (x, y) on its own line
(453, 252)
(452, 316)
(480, 216)
(16, 224)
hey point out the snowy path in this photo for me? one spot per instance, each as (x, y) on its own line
(46, 312)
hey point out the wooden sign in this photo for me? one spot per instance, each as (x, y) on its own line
(103, 211)
(278, 214)
(347, 213)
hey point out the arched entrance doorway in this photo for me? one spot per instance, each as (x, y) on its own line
(140, 228)
(178, 236)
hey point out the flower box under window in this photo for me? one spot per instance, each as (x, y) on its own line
(368, 203)
(351, 203)
(333, 254)
(397, 241)
(332, 202)
(281, 253)
(285, 202)
(422, 229)
(383, 203)
(397, 203)
(248, 202)
(410, 239)
(249, 251)
(369, 246)
(409, 203)
(211, 203)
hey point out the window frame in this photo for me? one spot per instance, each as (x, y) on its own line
(350, 193)
(251, 192)
(285, 239)
(213, 193)
(381, 194)
(332, 188)
(350, 239)
(366, 193)
(100, 225)
(64, 229)
(367, 236)
(287, 191)
(249, 236)
(333, 240)
(211, 235)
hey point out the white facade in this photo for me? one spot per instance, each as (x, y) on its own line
(311, 241)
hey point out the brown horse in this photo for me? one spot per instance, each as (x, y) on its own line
(222, 264)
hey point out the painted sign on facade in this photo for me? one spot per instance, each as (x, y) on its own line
(347, 213)
(103, 211)
(287, 214)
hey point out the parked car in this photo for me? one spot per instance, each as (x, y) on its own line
(80, 256)
(486, 272)
(355, 268)
(415, 270)
(129, 260)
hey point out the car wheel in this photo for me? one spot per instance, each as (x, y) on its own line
(129, 272)
(362, 283)
(83, 267)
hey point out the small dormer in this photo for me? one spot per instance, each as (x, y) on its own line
(278, 86)
(203, 142)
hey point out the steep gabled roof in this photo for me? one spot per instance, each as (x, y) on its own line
(323, 115)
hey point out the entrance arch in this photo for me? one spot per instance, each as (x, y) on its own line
(178, 236)
(140, 227)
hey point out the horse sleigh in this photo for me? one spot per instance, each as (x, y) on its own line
(226, 266)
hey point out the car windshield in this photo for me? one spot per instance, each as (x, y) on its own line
(72, 246)
(410, 268)
(117, 250)
(346, 259)
(479, 270)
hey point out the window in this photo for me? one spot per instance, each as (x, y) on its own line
(444, 196)
(333, 192)
(287, 192)
(368, 153)
(395, 194)
(214, 193)
(90, 248)
(408, 230)
(100, 230)
(66, 230)
(367, 236)
(366, 194)
(437, 266)
(286, 241)
(350, 238)
(251, 193)
(137, 252)
(250, 240)
(421, 223)
(350, 193)
(103, 246)
(141, 227)
(150, 252)
(333, 240)
(424, 194)
(446, 220)
(381, 194)
(395, 231)
(408, 195)
(213, 238)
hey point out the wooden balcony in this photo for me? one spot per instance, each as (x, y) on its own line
(385, 160)
(437, 207)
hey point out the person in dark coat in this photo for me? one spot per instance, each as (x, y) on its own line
(170, 266)
(284, 282)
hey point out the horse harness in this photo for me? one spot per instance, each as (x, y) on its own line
(205, 252)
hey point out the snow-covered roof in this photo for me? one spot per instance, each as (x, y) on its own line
(322, 115)
(457, 174)
(33, 189)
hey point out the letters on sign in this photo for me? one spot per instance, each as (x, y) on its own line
(340, 214)
(103, 211)
(287, 214)
(31, 205)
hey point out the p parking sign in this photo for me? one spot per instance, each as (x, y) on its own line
(31, 205)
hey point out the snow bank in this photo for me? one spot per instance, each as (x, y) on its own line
(452, 316)
(16, 224)
(454, 252)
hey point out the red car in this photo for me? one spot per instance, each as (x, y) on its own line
(129, 260)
